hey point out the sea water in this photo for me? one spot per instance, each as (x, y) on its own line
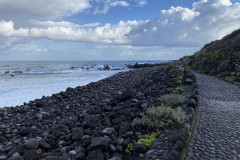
(24, 81)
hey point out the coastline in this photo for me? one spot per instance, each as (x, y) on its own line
(75, 122)
(25, 81)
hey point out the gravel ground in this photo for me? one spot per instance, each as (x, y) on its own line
(216, 132)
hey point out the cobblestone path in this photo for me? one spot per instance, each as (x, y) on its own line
(216, 132)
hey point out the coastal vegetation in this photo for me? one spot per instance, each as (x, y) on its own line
(161, 116)
(173, 100)
(220, 58)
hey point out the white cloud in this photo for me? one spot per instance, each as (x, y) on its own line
(142, 3)
(119, 3)
(28, 49)
(105, 5)
(65, 24)
(207, 20)
(66, 31)
(10, 9)
(7, 30)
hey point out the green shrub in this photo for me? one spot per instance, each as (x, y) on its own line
(179, 79)
(210, 57)
(173, 100)
(149, 138)
(162, 116)
(179, 89)
(230, 79)
(195, 65)
(129, 148)
(189, 133)
(170, 68)
(201, 71)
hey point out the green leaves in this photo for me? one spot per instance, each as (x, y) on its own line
(129, 149)
(149, 139)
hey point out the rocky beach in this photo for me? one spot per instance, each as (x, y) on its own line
(96, 121)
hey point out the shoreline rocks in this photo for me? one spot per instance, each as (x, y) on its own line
(87, 122)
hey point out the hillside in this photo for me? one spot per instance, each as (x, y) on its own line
(220, 58)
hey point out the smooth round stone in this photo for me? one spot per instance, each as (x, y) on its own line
(149, 152)
(73, 153)
(61, 142)
(142, 139)
(108, 131)
(85, 137)
(32, 144)
(141, 155)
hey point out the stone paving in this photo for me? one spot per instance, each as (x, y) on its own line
(216, 133)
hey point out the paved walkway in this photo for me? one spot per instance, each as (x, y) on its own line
(216, 132)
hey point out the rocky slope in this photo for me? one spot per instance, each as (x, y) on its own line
(88, 122)
(220, 57)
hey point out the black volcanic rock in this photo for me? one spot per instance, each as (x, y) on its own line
(86, 122)
(24, 131)
(100, 142)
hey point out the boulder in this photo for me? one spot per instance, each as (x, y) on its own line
(195, 97)
(189, 110)
(108, 131)
(100, 142)
(192, 103)
(189, 81)
(127, 94)
(115, 158)
(32, 144)
(140, 148)
(77, 134)
(177, 135)
(60, 128)
(106, 67)
(52, 158)
(24, 131)
(16, 156)
(124, 127)
(80, 156)
(178, 146)
(19, 149)
(95, 155)
(44, 144)
(30, 155)
(112, 149)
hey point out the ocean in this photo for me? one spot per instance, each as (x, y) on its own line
(22, 81)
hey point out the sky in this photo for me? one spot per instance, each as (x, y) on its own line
(112, 29)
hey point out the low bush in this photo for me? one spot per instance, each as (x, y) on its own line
(210, 57)
(232, 78)
(129, 148)
(179, 89)
(179, 79)
(173, 100)
(201, 71)
(170, 68)
(149, 138)
(162, 116)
